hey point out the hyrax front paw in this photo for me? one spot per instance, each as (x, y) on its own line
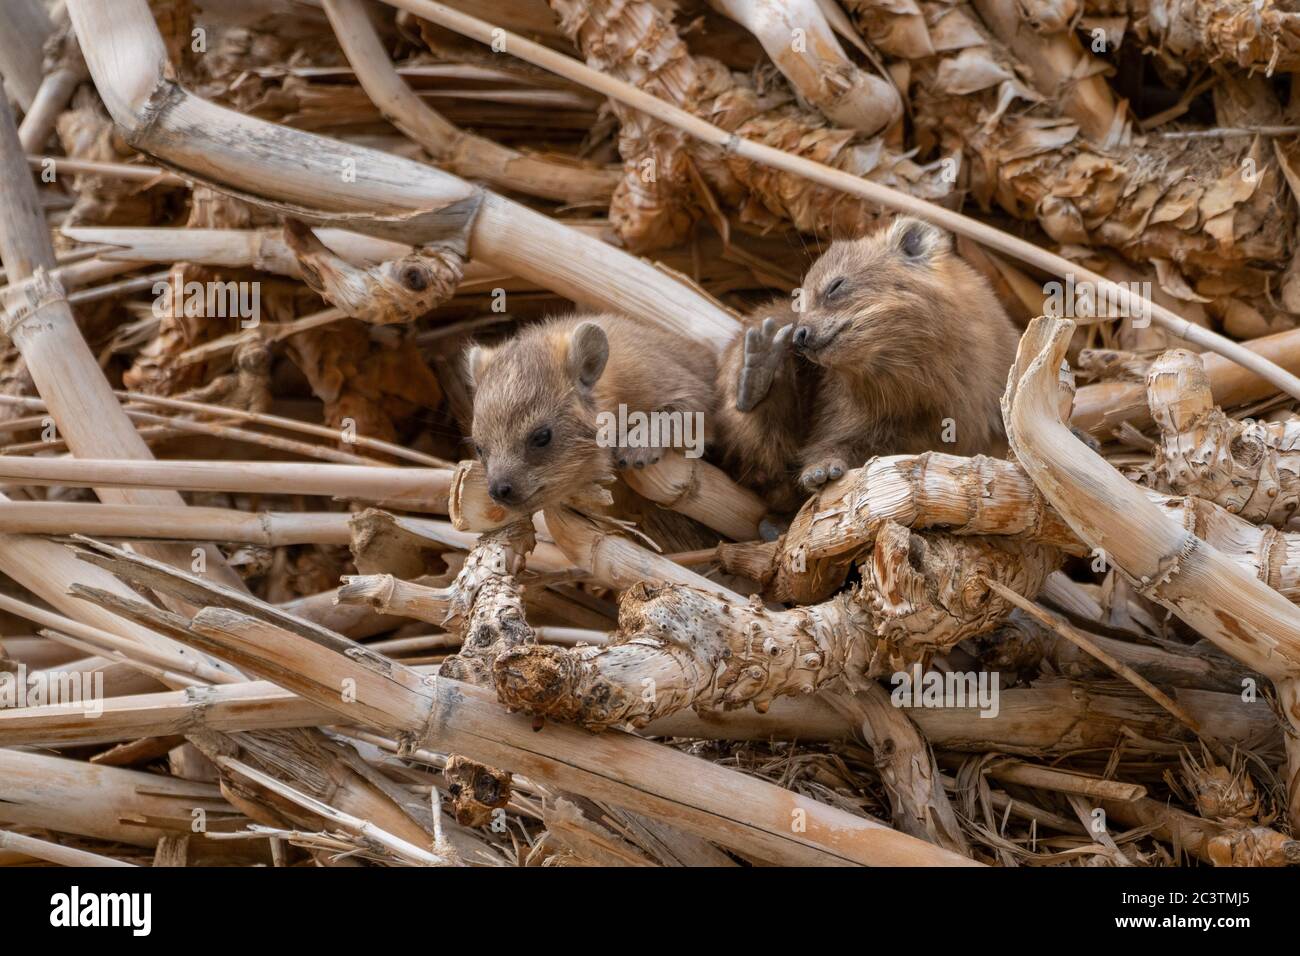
(820, 472)
(636, 457)
(766, 347)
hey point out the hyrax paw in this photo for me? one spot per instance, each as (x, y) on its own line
(765, 348)
(636, 457)
(820, 472)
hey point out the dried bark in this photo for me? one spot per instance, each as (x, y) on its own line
(681, 647)
(1250, 468)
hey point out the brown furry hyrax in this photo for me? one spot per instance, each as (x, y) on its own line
(900, 347)
(537, 398)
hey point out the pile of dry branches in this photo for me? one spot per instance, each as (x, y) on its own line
(257, 607)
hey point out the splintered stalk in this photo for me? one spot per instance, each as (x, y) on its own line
(897, 200)
(335, 183)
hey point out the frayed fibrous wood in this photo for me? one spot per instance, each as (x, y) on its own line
(1166, 562)
(976, 496)
(1250, 468)
(462, 153)
(1262, 35)
(802, 45)
(681, 647)
(459, 718)
(907, 768)
(107, 803)
(299, 173)
(793, 171)
(1054, 717)
(393, 291)
(670, 180)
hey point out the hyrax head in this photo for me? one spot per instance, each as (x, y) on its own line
(534, 424)
(868, 304)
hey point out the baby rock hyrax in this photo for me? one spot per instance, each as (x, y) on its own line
(537, 398)
(900, 347)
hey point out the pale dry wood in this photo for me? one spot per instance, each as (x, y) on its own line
(962, 495)
(43, 328)
(458, 718)
(107, 803)
(1204, 839)
(400, 702)
(1167, 563)
(1251, 468)
(680, 647)
(142, 522)
(175, 658)
(364, 829)
(906, 766)
(1052, 717)
(423, 488)
(699, 490)
(392, 292)
(1082, 641)
(55, 853)
(27, 24)
(975, 496)
(65, 70)
(389, 197)
(1063, 781)
(291, 424)
(886, 197)
(802, 45)
(1102, 407)
(464, 154)
(615, 560)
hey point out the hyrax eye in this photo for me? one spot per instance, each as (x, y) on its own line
(478, 452)
(833, 289)
(540, 438)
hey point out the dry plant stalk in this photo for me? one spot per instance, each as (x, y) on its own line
(815, 64)
(616, 34)
(389, 197)
(1250, 468)
(1166, 563)
(458, 718)
(462, 153)
(680, 647)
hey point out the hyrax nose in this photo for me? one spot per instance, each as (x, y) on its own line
(501, 491)
(801, 336)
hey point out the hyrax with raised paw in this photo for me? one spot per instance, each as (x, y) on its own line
(537, 398)
(900, 347)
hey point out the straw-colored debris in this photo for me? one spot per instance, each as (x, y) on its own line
(263, 603)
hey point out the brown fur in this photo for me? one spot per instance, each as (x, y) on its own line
(909, 338)
(527, 383)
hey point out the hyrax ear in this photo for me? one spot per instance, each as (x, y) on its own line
(919, 240)
(588, 352)
(476, 362)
